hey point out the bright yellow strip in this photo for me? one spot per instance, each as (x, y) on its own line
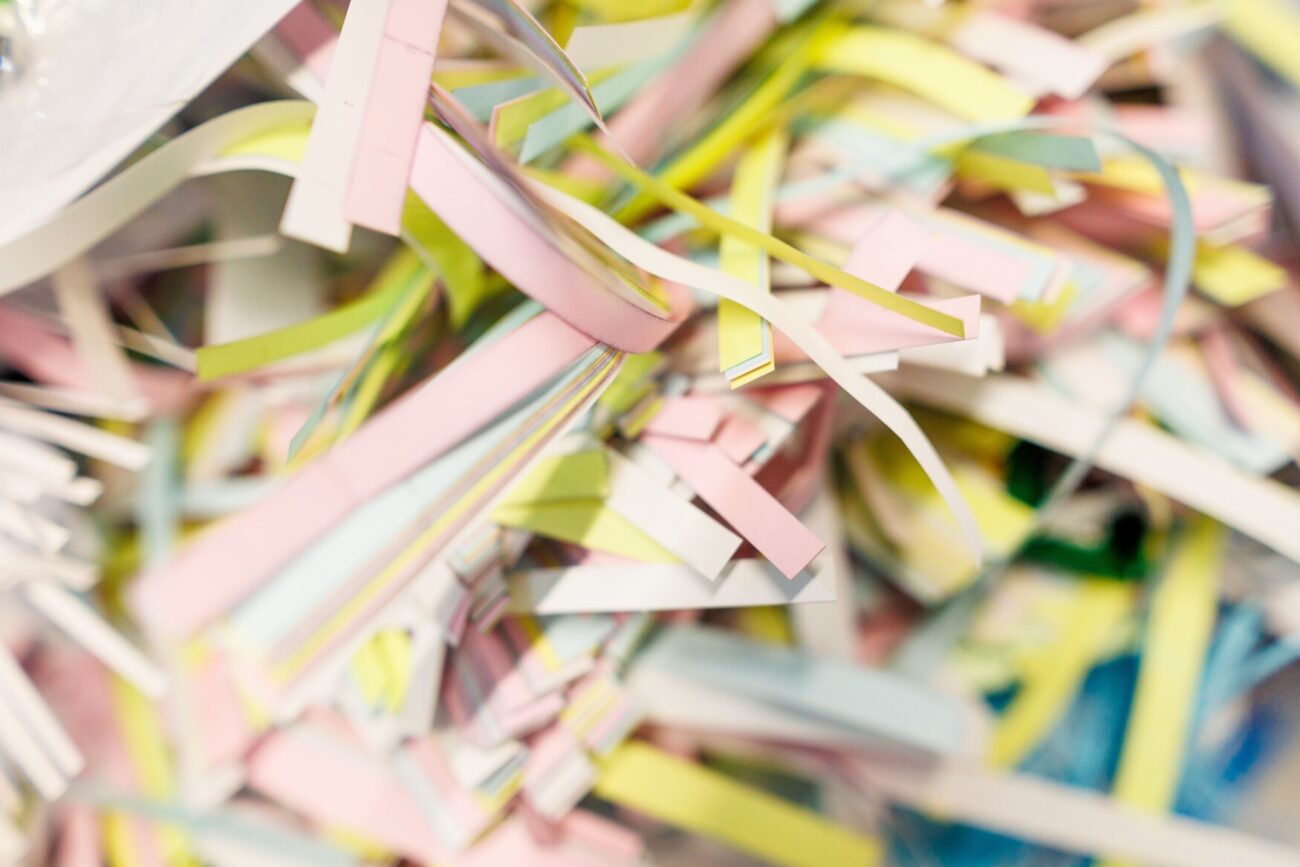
(704, 156)
(146, 744)
(741, 332)
(395, 645)
(119, 843)
(1178, 633)
(576, 476)
(540, 645)
(510, 120)
(774, 247)
(368, 669)
(403, 273)
(390, 359)
(1004, 174)
(589, 523)
(1053, 675)
(769, 623)
(639, 416)
(1233, 275)
(632, 382)
(927, 69)
(206, 424)
(358, 844)
(1045, 316)
(287, 142)
(1269, 29)
(475, 73)
(1135, 175)
(462, 271)
(623, 10)
(367, 393)
(590, 191)
(696, 799)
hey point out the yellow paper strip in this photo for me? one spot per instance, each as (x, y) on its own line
(706, 154)
(146, 745)
(742, 334)
(1053, 675)
(621, 10)
(589, 523)
(927, 69)
(1233, 275)
(1006, 174)
(404, 273)
(577, 476)
(775, 247)
(1178, 633)
(1269, 29)
(693, 798)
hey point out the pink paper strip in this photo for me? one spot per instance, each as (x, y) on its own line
(33, 347)
(1030, 53)
(336, 784)
(79, 843)
(310, 37)
(954, 253)
(859, 327)
(229, 561)
(887, 252)
(791, 402)
(394, 112)
(430, 759)
(692, 418)
(742, 502)
(513, 844)
(883, 255)
(739, 438)
(507, 242)
(223, 728)
(1221, 363)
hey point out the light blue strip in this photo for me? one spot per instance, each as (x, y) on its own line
(219, 824)
(873, 701)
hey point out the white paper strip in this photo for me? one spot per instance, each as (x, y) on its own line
(876, 401)
(74, 436)
(1062, 817)
(83, 625)
(315, 212)
(1259, 507)
(28, 706)
(700, 541)
(92, 331)
(661, 587)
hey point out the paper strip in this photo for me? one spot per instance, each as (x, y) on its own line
(217, 570)
(1262, 508)
(741, 501)
(394, 113)
(744, 338)
(1183, 610)
(1030, 53)
(928, 69)
(688, 796)
(315, 212)
(865, 392)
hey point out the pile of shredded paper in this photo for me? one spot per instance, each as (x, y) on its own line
(594, 433)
